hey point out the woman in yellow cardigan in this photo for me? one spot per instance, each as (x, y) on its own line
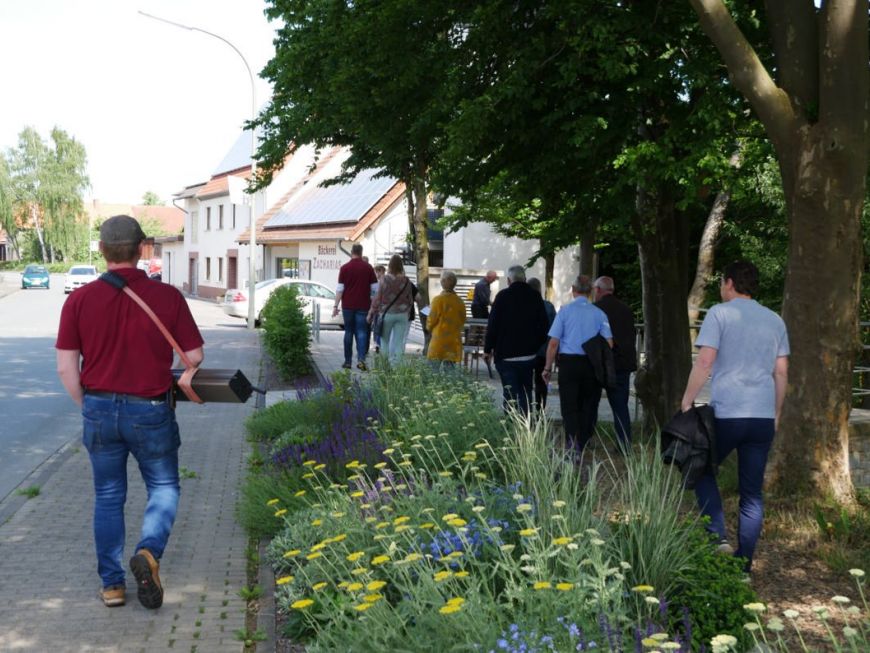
(445, 322)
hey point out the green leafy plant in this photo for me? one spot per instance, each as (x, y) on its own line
(287, 335)
(30, 492)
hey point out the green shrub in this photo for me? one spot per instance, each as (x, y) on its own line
(713, 591)
(286, 332)
(312, 415)
(257, 504)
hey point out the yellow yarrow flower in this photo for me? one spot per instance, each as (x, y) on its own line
(309, 463)
(359, 571)
(400, 528)
(379, 560)
(524, 507)
(357, 494)
(317, 522)
(562, 541)
(353, 464)
(542, 585)
(319, 467)
(401, 520)
(356, 555)
(381, 525)
(300, 493)
(376, 585)
(461, 574)
(412, 557)
(339, 538)
(529, 532)
(389, 451)
(564, 587)
(284, 580)
(308, 475)
(442, 575)
(272, 502)
(313, 556)
(292, 553)
(372, 598)
(318, 546)
(354, 587)
(279, 513)
(449, 609)
(643, 589)
(362, 607)
(319, 586)
(301, 604)
(449, 516)
(458, 522)
(427, 525)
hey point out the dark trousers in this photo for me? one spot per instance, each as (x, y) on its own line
(479, 312)
(579, 392)
(541, 391)
(516, 382)
(356, 328)
(752, 437)
(618, 397)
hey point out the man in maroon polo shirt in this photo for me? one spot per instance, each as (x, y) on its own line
(356, 284)
(115, 363)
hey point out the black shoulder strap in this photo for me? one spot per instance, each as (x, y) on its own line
(114, 279)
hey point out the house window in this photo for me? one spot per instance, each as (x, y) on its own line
(234, 216)
(194, 227)
(220, 268)
(221, 216)
(287, 267)
(208, 218)
(208, 268)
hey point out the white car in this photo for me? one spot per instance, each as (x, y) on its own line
(311, 293)
(78, 276)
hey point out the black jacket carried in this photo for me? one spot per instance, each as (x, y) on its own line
(689, 442)
(601, 356)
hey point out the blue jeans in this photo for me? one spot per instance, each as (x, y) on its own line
(752, 437)
(355, 325)
(618, 398)
(114, 428)
(396, 327)
(516, 381)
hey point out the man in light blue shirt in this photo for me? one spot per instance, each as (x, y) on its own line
(745, 346)
(579, 389)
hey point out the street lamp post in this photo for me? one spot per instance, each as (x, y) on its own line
(252, 267)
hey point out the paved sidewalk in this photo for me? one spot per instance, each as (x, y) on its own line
(48, 583)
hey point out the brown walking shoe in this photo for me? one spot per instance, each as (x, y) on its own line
(114, 596)
(145, 568)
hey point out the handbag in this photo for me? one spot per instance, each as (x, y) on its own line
(228, 386)
(378, 319)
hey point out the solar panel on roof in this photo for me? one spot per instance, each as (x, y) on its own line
(331, 204)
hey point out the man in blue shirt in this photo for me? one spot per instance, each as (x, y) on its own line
(579, 390)
(745, 346)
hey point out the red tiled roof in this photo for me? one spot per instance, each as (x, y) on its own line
(219, 185)
(169, 217)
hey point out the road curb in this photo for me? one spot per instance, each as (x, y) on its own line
(12, 502)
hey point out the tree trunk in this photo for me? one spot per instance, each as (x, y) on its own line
(587, 248)
(418, 215)
(706, 254)
(37, 226)
(825, 189)
(707, 247)
(549, 273)
(661, 380)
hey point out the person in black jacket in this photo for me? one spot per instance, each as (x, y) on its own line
(621, 320)
(517, 327)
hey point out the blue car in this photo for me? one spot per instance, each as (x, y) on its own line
(34, 276)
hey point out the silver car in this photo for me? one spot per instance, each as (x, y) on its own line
(78, 276)
(311, 293)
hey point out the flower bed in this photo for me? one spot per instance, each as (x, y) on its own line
(455, 528)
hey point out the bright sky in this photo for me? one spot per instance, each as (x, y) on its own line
(155, 106)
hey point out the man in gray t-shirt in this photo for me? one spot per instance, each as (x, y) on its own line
(745, 346)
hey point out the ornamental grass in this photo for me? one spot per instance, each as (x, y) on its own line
(470, 530)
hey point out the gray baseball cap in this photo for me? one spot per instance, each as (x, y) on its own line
(121, 230)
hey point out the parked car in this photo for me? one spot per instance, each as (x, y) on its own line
(35, 276)
(311, 292)
(78, 276)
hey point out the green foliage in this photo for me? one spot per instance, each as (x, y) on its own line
(314, 414)
(713, 590)
(31, 492)
(845, 534)
(255, 513)
(287, 335)
(150, 198)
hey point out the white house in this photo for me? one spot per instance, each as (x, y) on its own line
(306, 229)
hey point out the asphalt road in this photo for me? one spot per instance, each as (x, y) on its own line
(36, 416)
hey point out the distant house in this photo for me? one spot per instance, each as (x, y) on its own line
(305, 229)
(7, 253)
(169, 219)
